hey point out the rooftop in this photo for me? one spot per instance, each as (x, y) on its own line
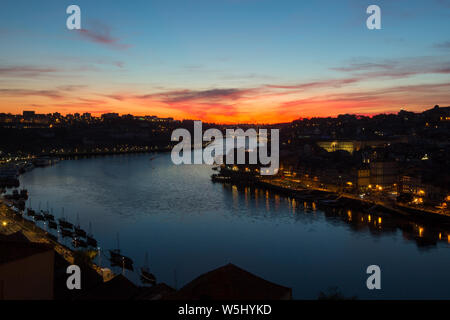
(231, 283)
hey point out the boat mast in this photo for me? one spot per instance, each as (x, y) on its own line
(175, 278)
(146, 266)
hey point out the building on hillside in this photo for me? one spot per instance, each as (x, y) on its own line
(363, 177)
(384, 174)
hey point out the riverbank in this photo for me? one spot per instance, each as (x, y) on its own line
(326, 198)
(16, 168)
(12, 223)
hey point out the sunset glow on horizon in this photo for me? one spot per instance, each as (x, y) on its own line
(224, 61)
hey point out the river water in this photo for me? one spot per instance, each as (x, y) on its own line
(189, 225)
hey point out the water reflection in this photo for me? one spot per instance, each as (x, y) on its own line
(426, 236)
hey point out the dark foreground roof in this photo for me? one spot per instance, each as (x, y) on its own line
(11, 251)
(14, 237)
(231, 283)
(156, 292)
(118, 288)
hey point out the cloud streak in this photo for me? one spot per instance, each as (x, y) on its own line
(26, 71)
(442, 45)
(101, 34)
(395, 69)
(18, 93)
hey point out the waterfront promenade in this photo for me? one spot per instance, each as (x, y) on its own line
(390, 205)
(11, 223)
(304, 191)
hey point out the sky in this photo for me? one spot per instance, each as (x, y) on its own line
(225, 61)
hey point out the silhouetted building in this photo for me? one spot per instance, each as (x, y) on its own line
(231, 283)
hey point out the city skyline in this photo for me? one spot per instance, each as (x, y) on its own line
(225, 62)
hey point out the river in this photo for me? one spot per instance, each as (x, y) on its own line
(190, 225)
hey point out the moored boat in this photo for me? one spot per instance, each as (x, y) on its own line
(147, 277)
(119, 260)
(64, 224)
(48, 216)
(66, 233)
(78, 243)
(52, 225)
(91, 241)
(39, 217)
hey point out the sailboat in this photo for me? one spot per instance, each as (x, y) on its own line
(78, 231)
(119, 260)
(66, 233)
(90, 238)
(38, 216)
(52, 225)
(48, 216)
(63, 223)
(79, 243)
(146, 276)
(30, 211)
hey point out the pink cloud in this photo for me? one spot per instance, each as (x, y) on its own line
(101, 34)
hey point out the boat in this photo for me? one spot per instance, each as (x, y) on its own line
(91, 241)
(90, 238)
(39, 217)
(49, 217)
(66, 233)
(119, 260)
(146, 276)
(78, 243)
(80, 232)
(52, 225)
(64, 224)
